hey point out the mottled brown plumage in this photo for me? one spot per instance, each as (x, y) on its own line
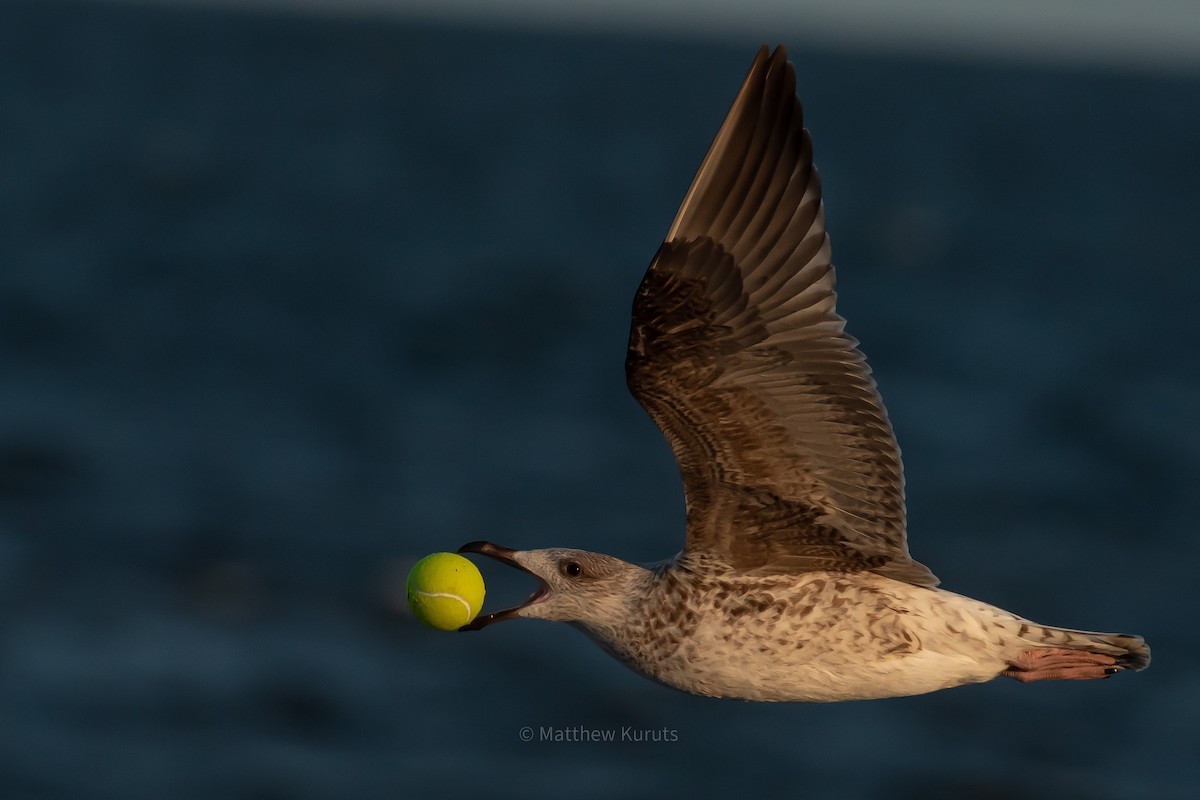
(788, 459)
(795, 582)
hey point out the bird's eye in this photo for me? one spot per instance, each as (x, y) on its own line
(572, 569)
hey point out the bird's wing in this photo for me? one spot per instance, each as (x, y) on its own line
(736, 352)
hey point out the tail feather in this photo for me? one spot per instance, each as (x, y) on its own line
(1129, 650)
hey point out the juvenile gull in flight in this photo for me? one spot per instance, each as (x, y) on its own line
(795, 582)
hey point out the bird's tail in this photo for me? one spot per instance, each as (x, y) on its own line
(1130, 651)
(1064, 654)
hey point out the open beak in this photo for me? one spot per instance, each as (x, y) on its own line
(504, 555)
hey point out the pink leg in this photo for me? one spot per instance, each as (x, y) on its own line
(1060, 664)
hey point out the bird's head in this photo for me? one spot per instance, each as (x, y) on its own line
(573, 585)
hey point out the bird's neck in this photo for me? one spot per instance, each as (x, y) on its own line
(634, 633)
(621, 616)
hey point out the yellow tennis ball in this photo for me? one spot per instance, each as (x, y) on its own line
(445, 591)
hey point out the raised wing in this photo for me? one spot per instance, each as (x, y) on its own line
(736, 352)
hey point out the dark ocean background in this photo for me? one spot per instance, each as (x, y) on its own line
(288, 302)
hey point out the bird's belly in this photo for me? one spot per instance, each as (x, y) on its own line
(773, 675)
(877, 645)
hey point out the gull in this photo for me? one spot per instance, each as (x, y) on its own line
(795, 581)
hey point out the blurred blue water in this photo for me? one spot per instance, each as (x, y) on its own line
(287, 303)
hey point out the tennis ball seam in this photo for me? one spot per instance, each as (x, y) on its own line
(451, 595)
